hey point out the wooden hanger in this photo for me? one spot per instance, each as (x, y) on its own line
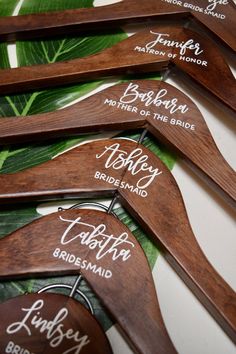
(147, 51)
(148, 191)
(75, 330)
(108, 256)
(150, 104)
(218, 16)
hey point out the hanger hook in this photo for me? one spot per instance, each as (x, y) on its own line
(72, 288)
(142, 136)
(90, 204)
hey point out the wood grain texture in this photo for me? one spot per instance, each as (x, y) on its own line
(149, 192)
(124, 270)
(163, 216)
(221, 23)
(147, 51)
(62, 176)
(172, 117)
(32, 340)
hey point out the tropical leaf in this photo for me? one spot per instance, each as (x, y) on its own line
(13, 158)
(152, 144)
(159, 150)
(4, 60)
(44, 101)
(16, 158)
(6, 9)
(12, 218)
(36, 6)
(48, 52)
(148, 246)
(11, 289)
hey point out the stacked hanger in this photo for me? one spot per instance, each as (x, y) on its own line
(147, 189)
(49, 324)
(155, 105)
(101, 248)
(124, 168)
(217, 16)
(147, 51)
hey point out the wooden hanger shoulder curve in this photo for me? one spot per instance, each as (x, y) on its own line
(165, 111)
(80, 166)
(149, 50)
(74, 328)
(147, 189)
(216, 16)
(103, 250)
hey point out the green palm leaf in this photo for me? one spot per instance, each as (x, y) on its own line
(15, 158)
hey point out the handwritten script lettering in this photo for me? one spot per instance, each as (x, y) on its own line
(183, 46)
(135, 162)
(132, 94)
(206, 7)
(95, 238)
(53, 328)
(213, 3)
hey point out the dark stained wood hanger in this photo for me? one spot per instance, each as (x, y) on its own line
(148, 191)
(218, 16)
(104, 251)
(24, 329)
(147, 51)
(155, 105)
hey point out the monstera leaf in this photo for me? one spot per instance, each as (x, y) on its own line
(15, 158)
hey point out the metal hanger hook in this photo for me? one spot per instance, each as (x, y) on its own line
(89, 204)
(73, 292)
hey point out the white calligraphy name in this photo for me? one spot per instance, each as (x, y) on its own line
(213, 3)
(149, 98)
(135, 162)
(183, 46)
(53, 329)
(96, 238)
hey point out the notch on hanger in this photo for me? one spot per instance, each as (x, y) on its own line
(148, 191)
(147, 51)
(161, 108)
(103, 250)
(218, 16)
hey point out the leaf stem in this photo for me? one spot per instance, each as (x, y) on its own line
(73, 46)
(30, 285)
(58, 52)
(17, 287)
(15, 110)
(45, 52)
(3, 156)
(29, 103)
